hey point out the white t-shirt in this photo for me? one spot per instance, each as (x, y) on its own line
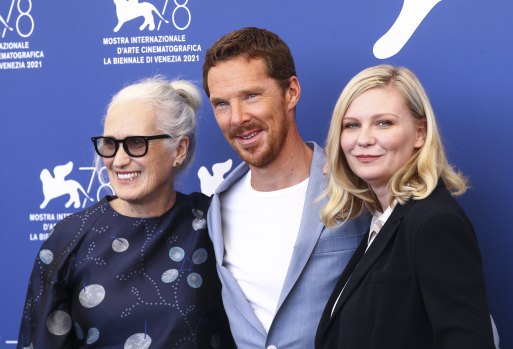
(259, 231)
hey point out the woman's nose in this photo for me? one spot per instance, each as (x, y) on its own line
(366, 137)
(121, 158)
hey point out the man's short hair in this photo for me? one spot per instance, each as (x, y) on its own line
(253, 43)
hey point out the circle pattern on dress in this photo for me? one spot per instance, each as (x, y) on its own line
(91, 295)
(176, 253)
(138, 341)
(199, 223)
(46, 256)
(92, 335)
(199, 256)
(58, 323)
(120, 245)
(194, 280)
(169, 276)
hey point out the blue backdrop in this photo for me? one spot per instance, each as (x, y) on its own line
(61, 61)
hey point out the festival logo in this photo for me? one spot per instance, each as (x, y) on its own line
(412, 14)
(17, 23)
(161, 38)
(18, 19)
(126, 10)
(60, 191)
(56, 185)
(210, 182)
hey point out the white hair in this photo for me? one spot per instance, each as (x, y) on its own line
(175, 104)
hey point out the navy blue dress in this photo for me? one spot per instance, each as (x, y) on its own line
(105, 280)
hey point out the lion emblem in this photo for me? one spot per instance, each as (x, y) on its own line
(126, 10)
(56, 186)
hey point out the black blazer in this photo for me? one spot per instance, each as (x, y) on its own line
(419, 285)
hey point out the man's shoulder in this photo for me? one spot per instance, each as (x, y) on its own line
(317, 182)
(234, 176)
(319, 156)
(318, 161)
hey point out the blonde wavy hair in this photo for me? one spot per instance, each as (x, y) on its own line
(348, 195)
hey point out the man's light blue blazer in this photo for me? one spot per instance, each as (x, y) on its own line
(320, 255)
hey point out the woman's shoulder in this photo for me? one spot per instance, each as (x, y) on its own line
(77, 222)
(439, 203)
(195, 200)
(438, 214)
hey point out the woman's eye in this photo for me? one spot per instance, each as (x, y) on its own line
(384, 123)
(108, 142)
(350, 125)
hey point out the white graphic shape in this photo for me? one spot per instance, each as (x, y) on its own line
(182, 6)
(412, 14)
(8, 17)
(208, 182)
(56, 186)
(126, 10)
(4, 23)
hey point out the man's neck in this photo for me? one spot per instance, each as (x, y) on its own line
(292, 166)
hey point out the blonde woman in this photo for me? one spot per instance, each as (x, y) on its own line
(416, 280)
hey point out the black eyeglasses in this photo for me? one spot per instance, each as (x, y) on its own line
(135, 146)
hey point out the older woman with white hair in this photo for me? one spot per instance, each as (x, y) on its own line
(416, 281)
(137, 269)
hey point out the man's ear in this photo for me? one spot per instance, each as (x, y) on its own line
(293, 93)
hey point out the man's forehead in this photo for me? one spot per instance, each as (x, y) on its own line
(240, 62)
(239, 75)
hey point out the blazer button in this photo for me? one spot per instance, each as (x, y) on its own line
(272, 347)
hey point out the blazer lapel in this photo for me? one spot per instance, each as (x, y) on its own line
(215, 226)
(215, 230)
(351, 265)
(311, 226)
(373, 253)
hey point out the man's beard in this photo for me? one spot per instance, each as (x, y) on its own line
(267, 152)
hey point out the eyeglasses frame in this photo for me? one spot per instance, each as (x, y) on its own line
(125, 146)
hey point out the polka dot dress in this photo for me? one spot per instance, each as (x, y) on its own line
(106, 280)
